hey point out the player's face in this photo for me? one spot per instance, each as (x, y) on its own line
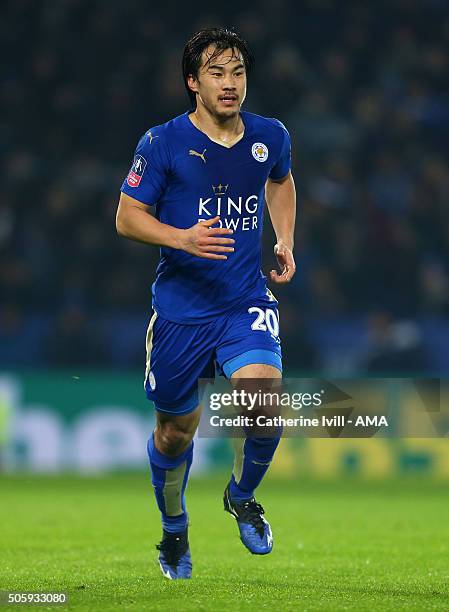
(221, 83)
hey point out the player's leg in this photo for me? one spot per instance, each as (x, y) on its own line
(170, 451)
(252, 350)
(173, 369)
(253, 455)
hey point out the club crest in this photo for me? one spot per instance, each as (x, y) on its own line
(259, 151)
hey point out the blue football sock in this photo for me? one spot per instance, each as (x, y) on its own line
(252, 459)
(169, 478)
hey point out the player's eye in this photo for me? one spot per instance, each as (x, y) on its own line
(239, 73)
(217, 74)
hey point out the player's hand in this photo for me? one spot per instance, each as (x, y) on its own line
(207, 242)
(286, 264)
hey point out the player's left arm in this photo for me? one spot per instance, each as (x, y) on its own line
(280, 195)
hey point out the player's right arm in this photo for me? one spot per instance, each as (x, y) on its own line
(135, 221)
(144, 186)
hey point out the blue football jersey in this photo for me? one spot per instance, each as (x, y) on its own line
(188, 177)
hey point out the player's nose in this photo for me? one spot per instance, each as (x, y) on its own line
(228, 83)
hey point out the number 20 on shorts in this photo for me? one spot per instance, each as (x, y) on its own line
(266, 319)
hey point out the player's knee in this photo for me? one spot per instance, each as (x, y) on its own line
(174, 439)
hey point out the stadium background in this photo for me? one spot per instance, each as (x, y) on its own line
(363, 89)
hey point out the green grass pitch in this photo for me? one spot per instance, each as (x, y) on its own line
(342, 545)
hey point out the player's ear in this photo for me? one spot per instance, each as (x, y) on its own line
(192, 82)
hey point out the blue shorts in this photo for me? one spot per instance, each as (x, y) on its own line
(178, 355)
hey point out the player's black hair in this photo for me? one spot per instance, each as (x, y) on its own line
(222, 39)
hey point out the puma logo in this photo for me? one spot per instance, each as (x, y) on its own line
(151, 137)
(202, 155)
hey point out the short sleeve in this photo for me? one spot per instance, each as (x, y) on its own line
(284, 161)
(147, 178)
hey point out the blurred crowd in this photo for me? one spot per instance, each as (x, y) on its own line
(363, 90)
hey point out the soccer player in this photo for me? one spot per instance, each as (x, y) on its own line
(206, 175)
